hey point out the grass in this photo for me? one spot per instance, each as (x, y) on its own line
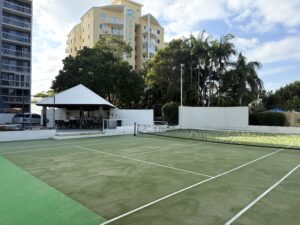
(113, 175)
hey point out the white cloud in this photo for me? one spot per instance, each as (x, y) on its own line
(276, 70)
(278, 11)
(274, 51)
(244, 44)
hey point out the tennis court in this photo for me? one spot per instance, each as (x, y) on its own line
(147, 179)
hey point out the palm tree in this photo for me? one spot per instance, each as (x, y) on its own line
(243, 80)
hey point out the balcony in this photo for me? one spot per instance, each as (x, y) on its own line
(113, 21)
(14, 84)
(153, 33)
(16, 23)
(113, 32)
(17, 8)
(17, 69)
(16, 54)
(15, 99)
(16, 38)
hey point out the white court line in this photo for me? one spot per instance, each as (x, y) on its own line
(72, 143)
(169, 148)
(260, 197)
(187, 188)
(52, 147)
(143, 161)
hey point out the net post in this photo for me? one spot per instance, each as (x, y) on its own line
(135, 129)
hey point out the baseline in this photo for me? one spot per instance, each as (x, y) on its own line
(72, 143)
(52, 147)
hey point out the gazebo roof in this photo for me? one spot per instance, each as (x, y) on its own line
(76, 96)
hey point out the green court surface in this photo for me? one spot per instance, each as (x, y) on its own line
(26, 200)
(147, 180)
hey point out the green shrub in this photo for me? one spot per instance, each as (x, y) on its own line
(267, 119)
(170, 113)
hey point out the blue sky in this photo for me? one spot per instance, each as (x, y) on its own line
(266, 30)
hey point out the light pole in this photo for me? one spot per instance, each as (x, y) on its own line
(54, 125)
(198, 85)
(181, 85)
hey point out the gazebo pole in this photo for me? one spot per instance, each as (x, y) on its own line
(44, 117)
(80, 119)
(54, 112)
(101, 118)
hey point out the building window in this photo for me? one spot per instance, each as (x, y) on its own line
(158, 31)
(103, 16)
(102, 26)
(113, 19)
(158, 41)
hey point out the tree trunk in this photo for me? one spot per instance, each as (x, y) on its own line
(241, 100)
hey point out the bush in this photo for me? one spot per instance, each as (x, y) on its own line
(267, 119)
(170, 113)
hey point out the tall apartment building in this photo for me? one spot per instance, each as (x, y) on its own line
(122, 19)
(15, 48)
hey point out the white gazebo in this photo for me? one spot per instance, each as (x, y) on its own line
(75, 108)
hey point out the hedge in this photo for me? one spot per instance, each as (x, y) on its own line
(267, 119)
(170, 113)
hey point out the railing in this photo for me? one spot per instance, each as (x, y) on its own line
(17, 38)
(15, 99)
(13, 68)
(17, 23)
(19, 54)
(16, 7)
(10, 83)
(153, 32)
(114, 32)
(113, 21)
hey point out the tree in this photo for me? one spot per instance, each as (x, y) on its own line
(242, 80)
(205, 59)
(114, 44)
(286, 97)
(293, 104)
(102, 70)
(41, 95)
(45, 94)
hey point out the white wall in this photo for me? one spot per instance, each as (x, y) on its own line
(36, 109)
(214, 117)
(132, 116)
(6, 117)
(26, 135)
(60, 114)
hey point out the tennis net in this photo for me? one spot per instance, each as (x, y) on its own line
(238, 137)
